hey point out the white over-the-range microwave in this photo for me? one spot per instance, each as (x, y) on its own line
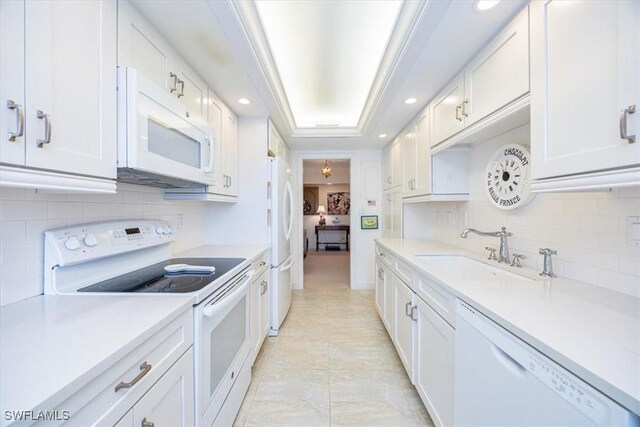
(159, 142)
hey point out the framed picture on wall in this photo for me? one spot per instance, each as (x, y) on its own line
(369, 222)
(310, 200)
(338, 203)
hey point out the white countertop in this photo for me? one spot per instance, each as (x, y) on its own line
(591, 331)
(224, 251)
(50, 346)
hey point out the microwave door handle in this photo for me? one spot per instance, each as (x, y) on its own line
(212, 146)
(211, 310)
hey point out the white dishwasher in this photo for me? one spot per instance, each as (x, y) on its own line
(502, 381)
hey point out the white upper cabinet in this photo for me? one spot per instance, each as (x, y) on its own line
(225, 125)
(500, 73)
(191, 89)
(230, 160)
(585, 72)
(396, 163)
(142, 48)
(446, 111)
(70, 111)
(416, 158)
(496, 77)
(387, 164)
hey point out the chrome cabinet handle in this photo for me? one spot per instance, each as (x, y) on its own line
(11, 105)
(407, 307)
(413, 309)
(175, 82)
(146, 423)
(181, 83)
(47, 129)
(144, 370)
(464, 108)
(623, 123)
(263, 263)
(458, 108)
(381, 274)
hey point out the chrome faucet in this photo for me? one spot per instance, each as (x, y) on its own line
(547, 263)
(503, 253)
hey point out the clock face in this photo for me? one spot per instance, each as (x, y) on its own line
(507, 177)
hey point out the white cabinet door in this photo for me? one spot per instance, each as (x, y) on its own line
(404, 324)
(231, 153)
(408, 145)
(387, 167)
(170, 402)
(434, 368)
(273, 143)
(126, 421)
(142, 48)
(380, 277)
(215, 114)
(446, 111)
(396, 215)
(585, 70)
(192, 90)
(12, 100)
(422, 183)
(255, 329)
(71, 86)
(396, 163)
(389, 302)
(265, 306)
(500, 73)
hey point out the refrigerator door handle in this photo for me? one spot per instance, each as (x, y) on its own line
(287, 264)
(288, 222)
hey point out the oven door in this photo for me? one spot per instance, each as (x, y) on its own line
(223, 341)
(158, 135)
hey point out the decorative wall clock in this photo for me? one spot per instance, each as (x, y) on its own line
(508, 178)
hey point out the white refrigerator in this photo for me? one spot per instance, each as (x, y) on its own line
(281, 221)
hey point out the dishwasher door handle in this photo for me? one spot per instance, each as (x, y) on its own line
(507, 361)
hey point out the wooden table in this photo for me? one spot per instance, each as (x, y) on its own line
(344, 228)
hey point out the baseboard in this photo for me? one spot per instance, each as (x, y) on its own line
(364, 285)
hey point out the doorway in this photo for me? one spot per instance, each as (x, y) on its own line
(326, 223)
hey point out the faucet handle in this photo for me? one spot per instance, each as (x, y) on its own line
(547, 251)
(516, 260)
(492, 253)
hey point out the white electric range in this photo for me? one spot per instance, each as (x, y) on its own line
(133, 257)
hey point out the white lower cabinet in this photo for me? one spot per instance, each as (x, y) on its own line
(259, 312)
(424, 340)
(434, 367)
(404, 324)
(169, 402)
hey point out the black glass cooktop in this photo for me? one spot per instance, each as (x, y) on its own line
(154, 279)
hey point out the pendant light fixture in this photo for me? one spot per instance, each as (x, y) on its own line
(326, 170)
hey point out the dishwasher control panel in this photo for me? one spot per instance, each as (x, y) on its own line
(568, 388)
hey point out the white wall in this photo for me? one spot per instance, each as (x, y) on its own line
(587, 229)
(245, 222)
(310, 221)
(26, 214)
(366, 183)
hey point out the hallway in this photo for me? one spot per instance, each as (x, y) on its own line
(333, 363)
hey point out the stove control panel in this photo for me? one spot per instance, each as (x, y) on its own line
(86, 242)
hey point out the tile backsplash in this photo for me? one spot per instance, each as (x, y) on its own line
(589, 230)
(25, 215)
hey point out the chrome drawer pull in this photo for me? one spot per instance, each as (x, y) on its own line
(47, 129)
(11, 105)
(181, 94)
(413, 309)
(144, 370)
(146, 423)
(175, 82)
(623, 123)
(407, 306)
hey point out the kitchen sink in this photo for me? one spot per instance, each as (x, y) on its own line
(464, 268)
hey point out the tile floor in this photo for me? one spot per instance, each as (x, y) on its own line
(333, 363)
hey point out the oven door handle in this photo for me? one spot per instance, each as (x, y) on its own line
(211, 310)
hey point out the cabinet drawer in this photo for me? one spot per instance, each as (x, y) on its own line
(384, 256)
(99, 403)
(404, 272)
(260, 264)
(438, 298)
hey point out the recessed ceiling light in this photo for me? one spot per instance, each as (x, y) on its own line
(482, 5)
(244, 101)
(410, 101)
(382, 135)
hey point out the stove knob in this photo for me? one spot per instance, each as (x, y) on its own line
(72, 243)
(90, 240)
(160, 230)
